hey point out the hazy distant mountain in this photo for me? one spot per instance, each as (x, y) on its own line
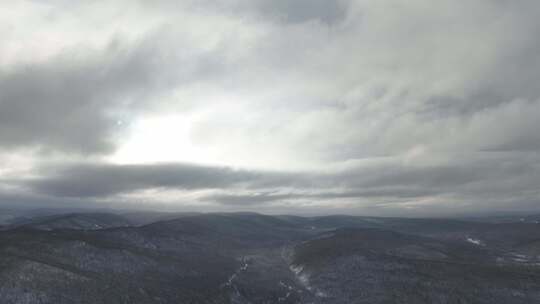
(82, 221)
(253, 258)
(140, 218)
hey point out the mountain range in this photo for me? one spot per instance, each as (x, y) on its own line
(138, 257)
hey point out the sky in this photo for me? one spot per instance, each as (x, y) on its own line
(368, 107)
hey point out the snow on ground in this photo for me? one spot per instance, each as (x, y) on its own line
(303, 278)
(475, 241)
(231, 281)
(289, 290)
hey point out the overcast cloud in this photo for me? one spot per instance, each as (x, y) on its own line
(359, 106)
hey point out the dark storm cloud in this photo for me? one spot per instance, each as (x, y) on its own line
(279, 11)
(257, 199)
(305, 10)
(99, 180)
(32, 201)
(68, 103)
(103, 180)
(483, 179)
(485, 183)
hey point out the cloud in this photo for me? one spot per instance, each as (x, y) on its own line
(70, 98)
(68, 103)
(258, 198)
(340, 103)
(101, 180)
(278, 11)
(498, 180)
(304, 10)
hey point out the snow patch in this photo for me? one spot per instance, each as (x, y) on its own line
(303, 278)
(289, 291)
(475, 241)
